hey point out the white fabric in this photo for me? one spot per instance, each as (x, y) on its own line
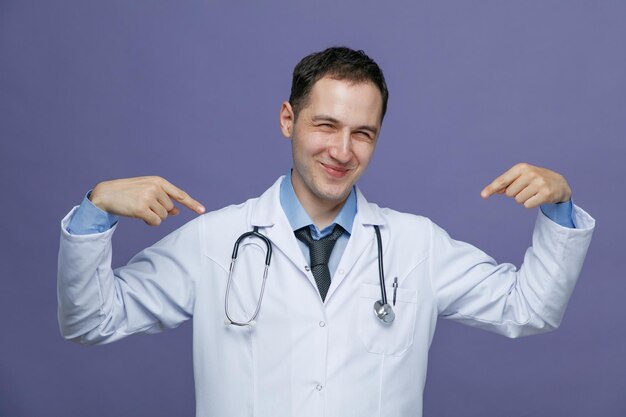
(304, 358)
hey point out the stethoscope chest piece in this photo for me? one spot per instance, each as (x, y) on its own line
(384, 312)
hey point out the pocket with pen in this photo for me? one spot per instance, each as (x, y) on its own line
(386, 339)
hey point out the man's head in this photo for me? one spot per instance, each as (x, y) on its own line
(339, 63)
(333, 119)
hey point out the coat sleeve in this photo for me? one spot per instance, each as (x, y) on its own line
(470, 287)
(154, 291)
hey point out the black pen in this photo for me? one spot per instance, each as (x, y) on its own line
(395, 289)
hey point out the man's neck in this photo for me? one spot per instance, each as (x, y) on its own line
(322, 212)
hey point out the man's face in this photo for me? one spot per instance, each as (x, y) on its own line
(333, 139)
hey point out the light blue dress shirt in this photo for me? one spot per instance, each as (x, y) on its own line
(299, 218)
(90, 219)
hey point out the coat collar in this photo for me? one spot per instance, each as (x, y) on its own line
(268, 212)
(268, 215)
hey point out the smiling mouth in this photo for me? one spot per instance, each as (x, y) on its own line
(335, 171)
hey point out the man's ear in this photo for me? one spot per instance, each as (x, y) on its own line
(287, 119)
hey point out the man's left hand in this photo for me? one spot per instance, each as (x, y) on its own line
(531, 186)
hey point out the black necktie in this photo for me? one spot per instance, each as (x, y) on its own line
(320, 251)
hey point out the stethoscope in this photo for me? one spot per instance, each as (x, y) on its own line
(382, 309)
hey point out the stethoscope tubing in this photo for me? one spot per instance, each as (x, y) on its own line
(383, 311)
(381, 271)
(268, 258)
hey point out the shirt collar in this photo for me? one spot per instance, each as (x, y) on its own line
(298, 217)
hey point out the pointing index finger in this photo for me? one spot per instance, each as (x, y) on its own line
(182, 197)
(500, 184)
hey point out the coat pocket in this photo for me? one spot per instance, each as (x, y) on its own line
(386, 339)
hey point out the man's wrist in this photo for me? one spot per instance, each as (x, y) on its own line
(89, 218)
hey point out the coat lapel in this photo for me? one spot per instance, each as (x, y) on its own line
(362, 237)
(269, 216)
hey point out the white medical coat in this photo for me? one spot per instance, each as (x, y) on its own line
(304, 357)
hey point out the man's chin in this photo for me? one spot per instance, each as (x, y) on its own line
(335, 196)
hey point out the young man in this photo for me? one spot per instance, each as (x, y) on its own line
(317, 337)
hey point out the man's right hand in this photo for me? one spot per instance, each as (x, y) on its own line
(146, 198)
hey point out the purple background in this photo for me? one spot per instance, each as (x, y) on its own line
(191, 90)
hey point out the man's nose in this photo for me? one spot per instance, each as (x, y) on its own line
(341, 148)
